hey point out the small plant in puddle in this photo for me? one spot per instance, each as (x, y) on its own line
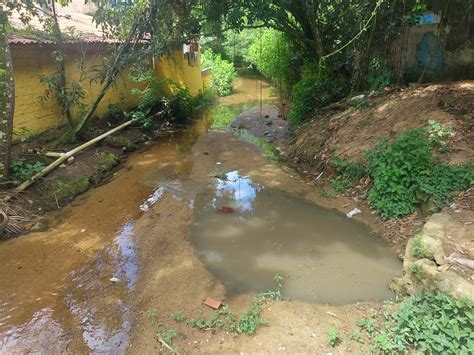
(419, 250)
(274, 294)
(333, 336)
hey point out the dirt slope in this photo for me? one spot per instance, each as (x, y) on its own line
(348, 132)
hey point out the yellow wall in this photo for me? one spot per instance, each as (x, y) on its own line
(35, 116)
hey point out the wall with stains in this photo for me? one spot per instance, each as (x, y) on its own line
(34, 115)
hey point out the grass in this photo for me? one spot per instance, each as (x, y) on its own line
(268, 150)
(226, 319)
(223, 115)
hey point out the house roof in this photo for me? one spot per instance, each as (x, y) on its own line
(21, 39)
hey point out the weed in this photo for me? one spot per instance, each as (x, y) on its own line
(416, 273)
(166, 337)
(437, 133)
(360, 104)
(400, 169)
(419, 251)
(364, 122)
(251, 319)
(339, 185)
(333, 336)
(268, 150)
(356, 336)
(22, 170)
(274, 294)
(178, 316)
(347, 174)
(431, 323)
(151, 315)
(226, 319)
(368, 324)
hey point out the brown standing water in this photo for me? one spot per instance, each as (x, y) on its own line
(56, 291)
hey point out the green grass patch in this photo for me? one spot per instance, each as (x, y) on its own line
(268, 150)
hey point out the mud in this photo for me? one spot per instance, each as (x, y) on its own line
(125, 248)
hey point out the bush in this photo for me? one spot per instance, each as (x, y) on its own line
(223, 72)
(405, 167)
(433, 323)
(310, 94)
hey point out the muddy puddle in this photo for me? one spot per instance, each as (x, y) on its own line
(323, 256)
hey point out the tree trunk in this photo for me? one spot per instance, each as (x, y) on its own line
(7, 98)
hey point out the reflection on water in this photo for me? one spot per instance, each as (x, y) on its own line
(106, 321)
(236, 191)
(323, 256)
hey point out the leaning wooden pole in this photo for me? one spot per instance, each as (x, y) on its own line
(66, 156)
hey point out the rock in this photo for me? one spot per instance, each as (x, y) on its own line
(434, 247)
(353, 213)
(271, 139)
(268, 121)
(431, 271)
(357, 98)
(114, 279)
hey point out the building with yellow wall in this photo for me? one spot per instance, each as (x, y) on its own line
(32, 59)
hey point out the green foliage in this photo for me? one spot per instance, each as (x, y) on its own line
(274, 294)
(251, 319)
(167, 335)
(439, 135)
(400, 169)
(268, 150)
(416, 272)
(310, 94)
(161, 98)
(222, 72)
(347, 173)
(356, 336)
(419, 250)
(369, 324)
(380, 75)
(431, 323)
(333, 336)
(275, 57)
(223, 115)
(226, 319)
(22, 170)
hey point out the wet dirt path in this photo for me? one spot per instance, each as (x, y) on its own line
(56, 294)
(125, 248)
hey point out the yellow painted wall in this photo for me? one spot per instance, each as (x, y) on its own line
(35, 116)
(176, 68)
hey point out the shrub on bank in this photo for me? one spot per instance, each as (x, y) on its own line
(223, 72)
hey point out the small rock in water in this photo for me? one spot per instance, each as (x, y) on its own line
(268, 121)
(353, 213)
